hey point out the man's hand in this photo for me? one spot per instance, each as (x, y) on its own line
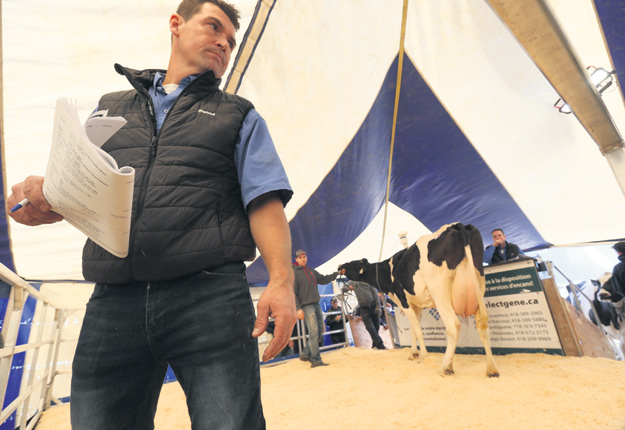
(38, 211)
(271, 233)
(300, 314)
(277, 301)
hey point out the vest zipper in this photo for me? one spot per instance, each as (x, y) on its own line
(144, 181)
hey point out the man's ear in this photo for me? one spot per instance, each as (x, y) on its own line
(175, 21)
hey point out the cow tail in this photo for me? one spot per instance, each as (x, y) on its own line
(469, 254)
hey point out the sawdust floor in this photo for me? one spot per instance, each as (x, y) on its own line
(382, 390)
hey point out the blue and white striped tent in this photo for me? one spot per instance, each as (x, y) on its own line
(474, 136)
(443, 89)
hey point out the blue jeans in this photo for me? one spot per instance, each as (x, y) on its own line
(200, 325)
(313, 317)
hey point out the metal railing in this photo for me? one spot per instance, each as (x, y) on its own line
(40, 351)
(576, 293)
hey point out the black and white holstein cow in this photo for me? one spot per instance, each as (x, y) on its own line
(442, 270)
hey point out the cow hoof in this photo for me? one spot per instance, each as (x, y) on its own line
(413, 357)
(448, 372)
(492, 374)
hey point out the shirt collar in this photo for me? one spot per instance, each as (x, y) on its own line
(157, 83)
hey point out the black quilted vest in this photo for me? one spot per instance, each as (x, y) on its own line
(187, 213)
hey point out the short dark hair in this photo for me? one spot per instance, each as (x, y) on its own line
(188, 8)
(619, 247)
(497, 229)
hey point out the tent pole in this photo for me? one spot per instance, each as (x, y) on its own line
(616, 160)
(400, 65)
(536, 28)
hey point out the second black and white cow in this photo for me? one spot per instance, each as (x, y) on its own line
(606, 311)
(442, 270)
(610, 307)
(608, 291)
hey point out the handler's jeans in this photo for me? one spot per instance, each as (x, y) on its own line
(201, 325)
(313, 317)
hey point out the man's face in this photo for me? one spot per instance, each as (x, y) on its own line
(335, 305)
(302, 260)
(206, 40)
(498, 238)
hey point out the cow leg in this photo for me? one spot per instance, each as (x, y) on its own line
(414, 315)
(452, 328)
(481, 323)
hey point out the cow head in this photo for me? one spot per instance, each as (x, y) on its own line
(608, 292)
(356, 270)
(376, 274)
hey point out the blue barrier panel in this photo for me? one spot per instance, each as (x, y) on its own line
(17, 366)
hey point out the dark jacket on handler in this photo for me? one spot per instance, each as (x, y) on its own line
(366, 294)
(618, 278)
(512, 251)
(306, 284)
(187, 213)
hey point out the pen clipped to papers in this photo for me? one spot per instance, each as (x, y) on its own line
(20, 205)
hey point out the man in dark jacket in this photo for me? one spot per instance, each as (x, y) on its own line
(618, 273)
(334, 321)
(500, 250)
(209, 189)
(307, 298)
(369, 304)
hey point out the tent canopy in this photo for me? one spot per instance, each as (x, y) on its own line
(455, 117)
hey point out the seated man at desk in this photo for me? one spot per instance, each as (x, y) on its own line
(500, 250)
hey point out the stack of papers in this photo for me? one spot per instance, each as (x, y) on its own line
(84, 184)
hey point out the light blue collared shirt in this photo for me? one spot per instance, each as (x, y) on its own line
(258, 166)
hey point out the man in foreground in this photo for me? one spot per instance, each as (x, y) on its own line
(210, 188)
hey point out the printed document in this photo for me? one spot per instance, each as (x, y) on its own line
(84, 184)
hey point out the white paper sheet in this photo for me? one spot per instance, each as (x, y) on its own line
(84, 184)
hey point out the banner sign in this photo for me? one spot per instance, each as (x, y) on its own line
(519, 317)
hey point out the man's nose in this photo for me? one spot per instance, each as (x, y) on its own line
(222, 42)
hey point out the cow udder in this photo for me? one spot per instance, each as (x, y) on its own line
(464, 293)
